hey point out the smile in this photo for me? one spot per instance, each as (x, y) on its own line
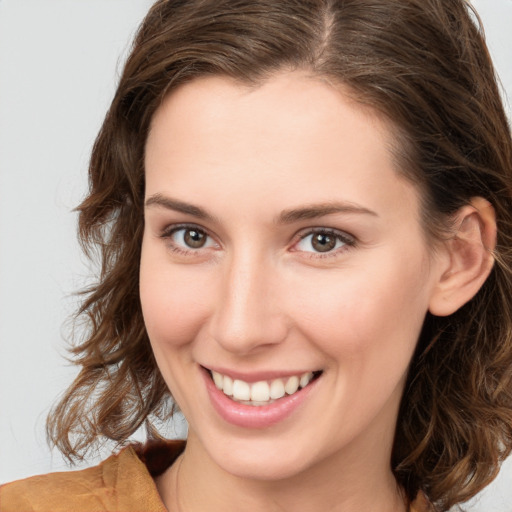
(263, 392)
(249, 402)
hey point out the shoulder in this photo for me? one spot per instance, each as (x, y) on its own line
(122, 483)
(98, 488)
(83, 489)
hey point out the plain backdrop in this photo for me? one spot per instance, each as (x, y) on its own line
(59, 62)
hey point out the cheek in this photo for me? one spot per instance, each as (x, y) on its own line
(372, 312)
(174, 303)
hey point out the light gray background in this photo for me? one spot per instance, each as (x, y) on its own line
(59, 62)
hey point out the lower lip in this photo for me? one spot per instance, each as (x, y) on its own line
(248, 416)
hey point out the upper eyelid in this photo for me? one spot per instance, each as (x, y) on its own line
(303, 233)
(349, 241)
(170, 229)
(298, 236)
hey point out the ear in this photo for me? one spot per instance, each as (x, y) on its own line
(469, 258)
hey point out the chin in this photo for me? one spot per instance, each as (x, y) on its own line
(261, 468)
(261, 459)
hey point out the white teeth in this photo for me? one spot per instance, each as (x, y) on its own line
(277, 389)
(262, 392)
(227, 385)
(305, 379)
(241, 390)
(292, 384)
(218, 379)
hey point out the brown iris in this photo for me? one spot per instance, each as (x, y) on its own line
(323, 242)
(194, 238)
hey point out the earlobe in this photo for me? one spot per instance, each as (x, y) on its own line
(469, 255)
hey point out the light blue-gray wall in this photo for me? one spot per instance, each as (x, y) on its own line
(58, 67)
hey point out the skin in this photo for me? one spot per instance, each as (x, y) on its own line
(258, 296)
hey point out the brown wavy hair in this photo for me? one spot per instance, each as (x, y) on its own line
(423, 65)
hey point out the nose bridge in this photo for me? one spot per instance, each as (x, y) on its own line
(247, 315)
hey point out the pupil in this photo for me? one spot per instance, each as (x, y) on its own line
(323, 243)
(194, 238)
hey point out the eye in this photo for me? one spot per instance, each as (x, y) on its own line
(321, 240)
(188, 238)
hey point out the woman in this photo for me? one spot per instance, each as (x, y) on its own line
(304, 217)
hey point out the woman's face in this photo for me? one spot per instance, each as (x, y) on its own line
(281, 247)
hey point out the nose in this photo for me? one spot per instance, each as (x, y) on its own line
(247, 315)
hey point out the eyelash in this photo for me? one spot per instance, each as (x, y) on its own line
(170, 231)
(348, 240)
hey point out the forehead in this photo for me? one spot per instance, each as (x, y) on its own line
(293, 137)
(295, 96)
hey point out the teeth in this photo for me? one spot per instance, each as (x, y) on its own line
(277, 389)
(292, 384)
(218, 379)
(241, 390)
(227, 385)
(305, 379)
(262, 392)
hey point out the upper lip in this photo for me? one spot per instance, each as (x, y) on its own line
(257, 376)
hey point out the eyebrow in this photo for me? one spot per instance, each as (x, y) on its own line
(314, 211)
(178, 206)
(290, 216)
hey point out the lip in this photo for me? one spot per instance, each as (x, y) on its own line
(251, 377)
(252, 417)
